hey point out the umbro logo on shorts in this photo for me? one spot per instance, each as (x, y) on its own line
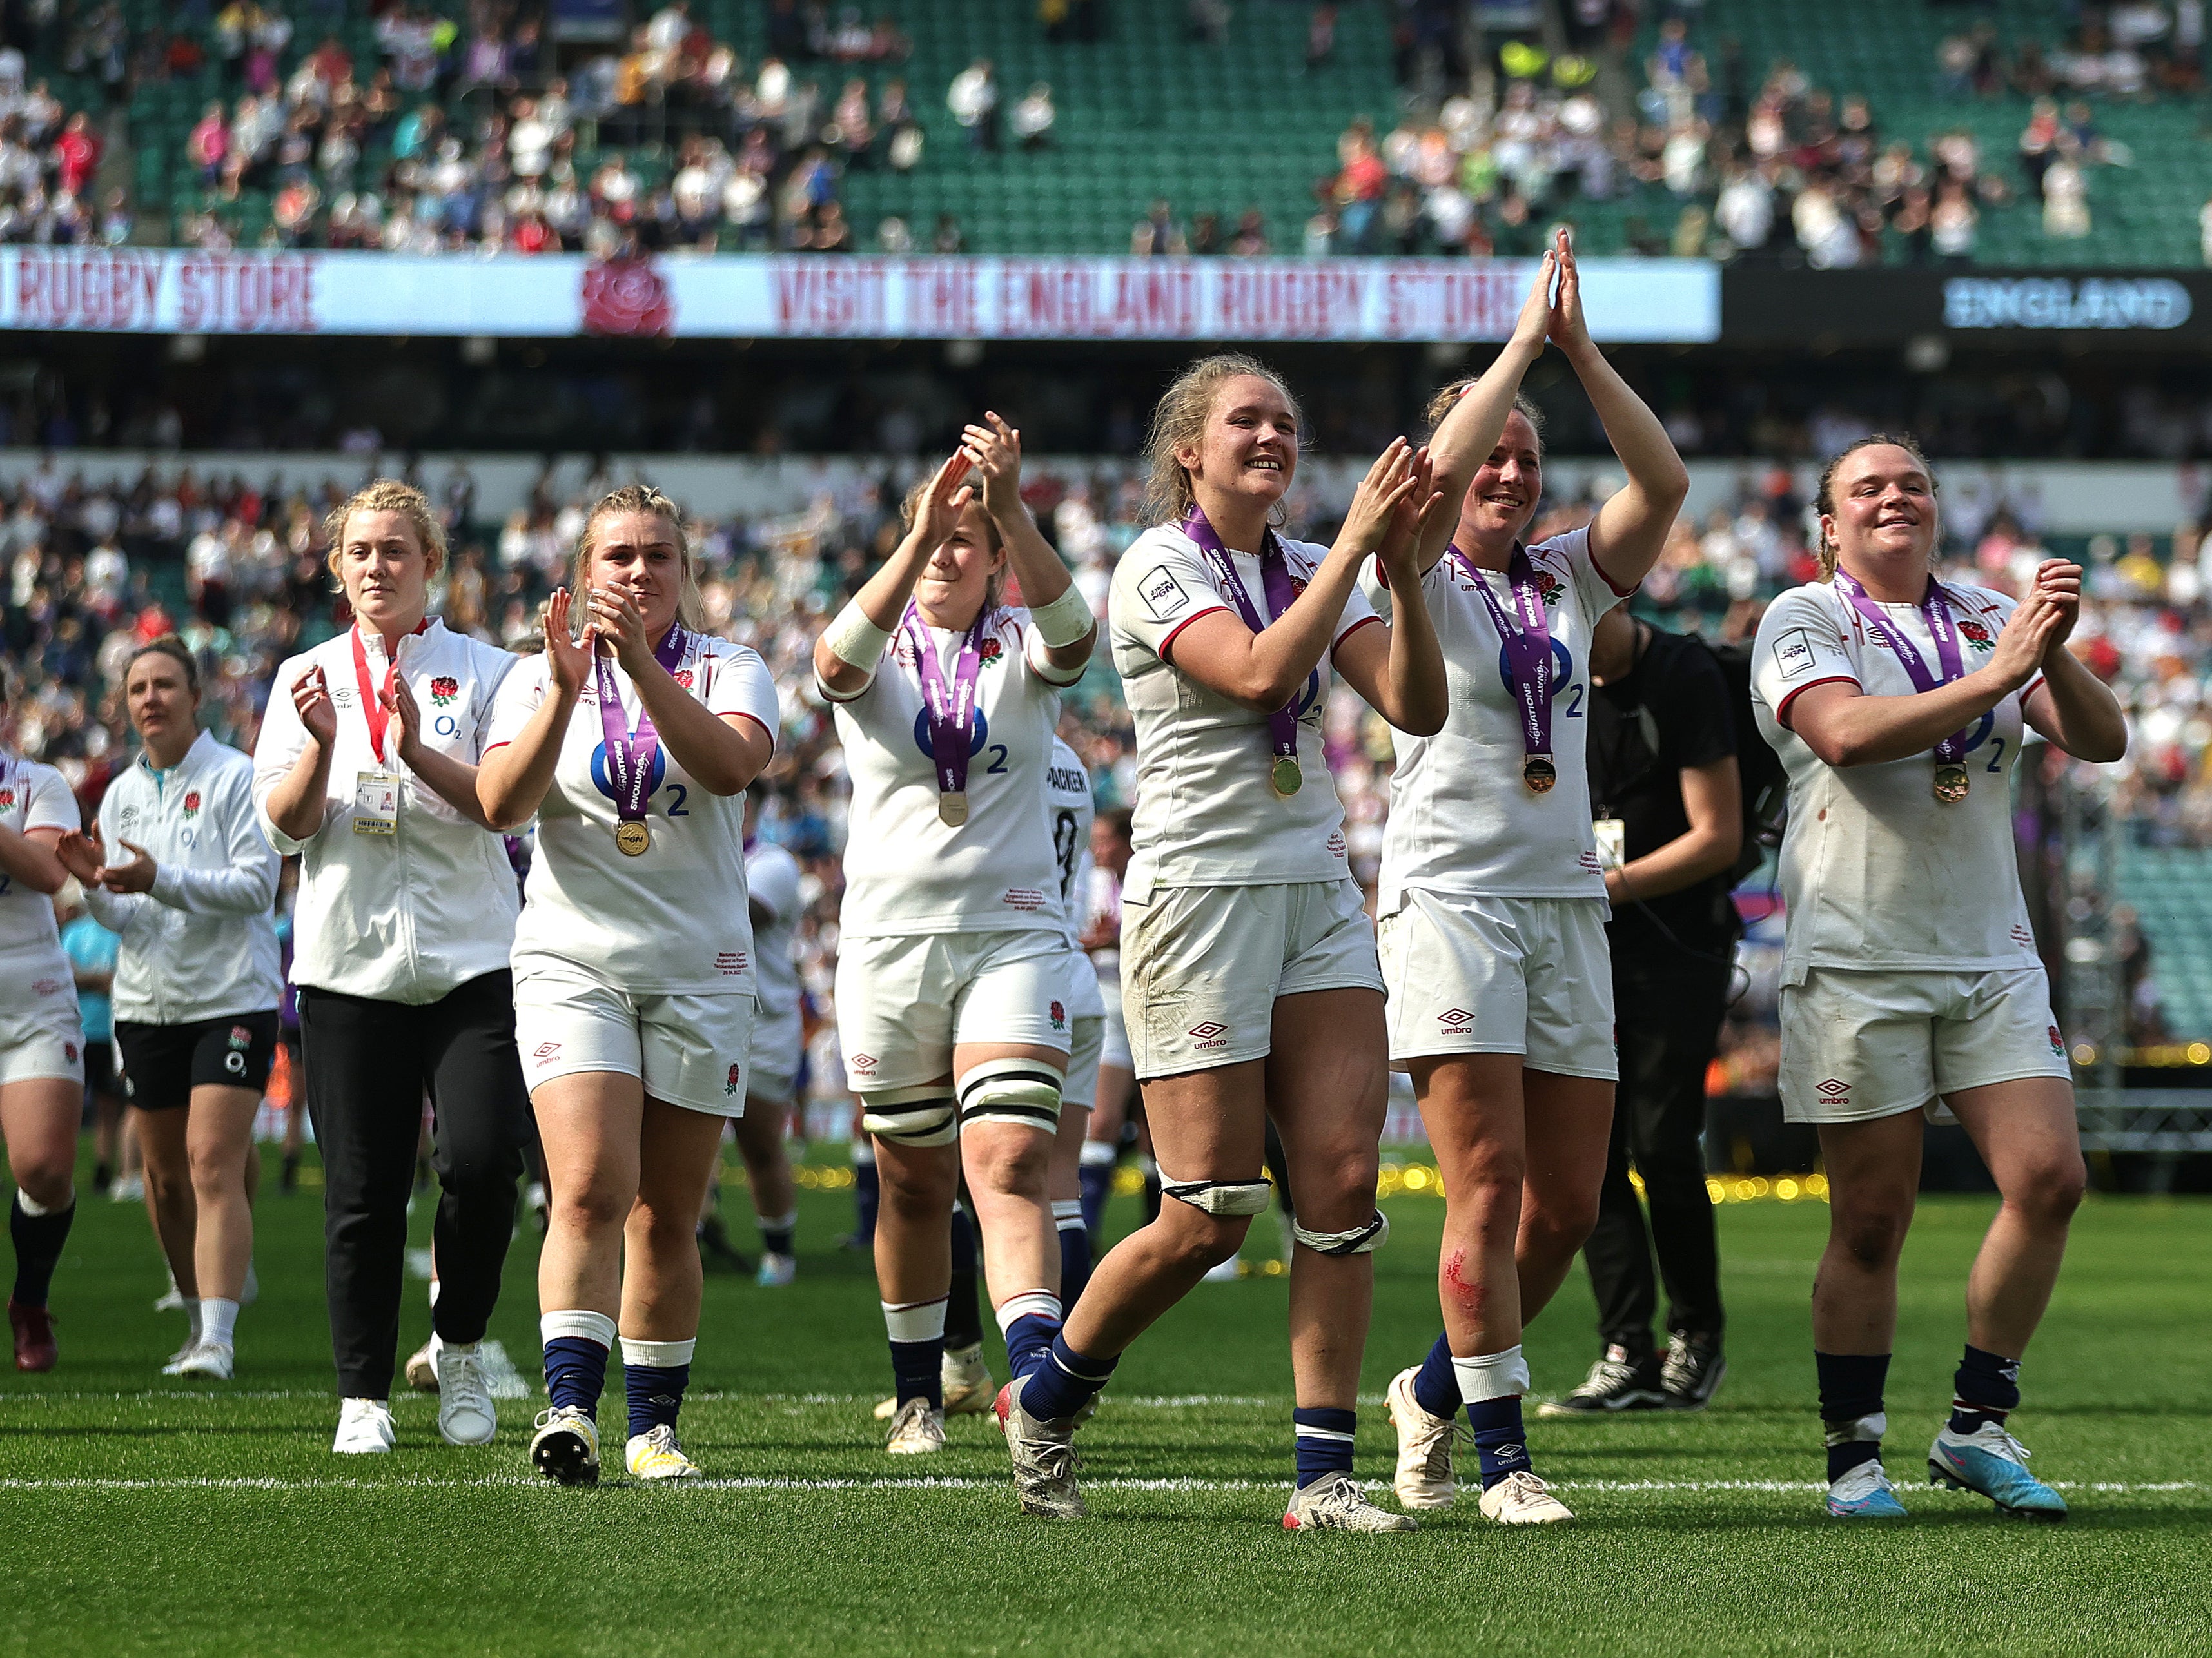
(862, 1062)
(545, 1051)
(1833, 1087)
(1210, 1035)
(1454, 1017)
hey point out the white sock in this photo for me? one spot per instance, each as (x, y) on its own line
(218, 1319)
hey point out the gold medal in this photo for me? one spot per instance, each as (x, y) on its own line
(952, 807)
(1286, 778)
(1538, 772)
(632, 838)
(1951, 782)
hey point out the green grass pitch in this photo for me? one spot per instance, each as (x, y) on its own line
(140, 1514)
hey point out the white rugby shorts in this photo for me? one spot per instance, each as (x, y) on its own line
(690, 1050)
(1080, 1090)
(1116, 1052)
(772, 1070)
(904, 1003)
(1532, 976)
(42, 1036)
(1860, 1044)
(1202, 967)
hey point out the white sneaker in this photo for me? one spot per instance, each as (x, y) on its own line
(171, 1299)
(176, 1364)
(215, 1359)
(918, 1430)
(364, 1426)
(423, 1370)
(1522, 1499)
(566, 1447)
(656, 1455)
(127, 1188)
(465, 1416)
(1337, 1503)
(1227, 1272)
(1423, 1478)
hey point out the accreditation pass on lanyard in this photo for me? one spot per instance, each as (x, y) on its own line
(375, 792)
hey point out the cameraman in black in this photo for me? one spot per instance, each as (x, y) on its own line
(1667, 794)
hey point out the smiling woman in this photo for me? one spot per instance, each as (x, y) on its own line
(632, 742)
(1249, 974)
(367, 768)
(951, 973)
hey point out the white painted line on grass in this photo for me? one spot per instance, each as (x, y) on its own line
(944, 1482)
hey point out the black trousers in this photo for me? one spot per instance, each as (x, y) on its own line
(367, 1064)
(1667, 1006)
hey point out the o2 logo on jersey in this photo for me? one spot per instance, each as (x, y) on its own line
(976, 744)
(600, 781)
(1563, 670)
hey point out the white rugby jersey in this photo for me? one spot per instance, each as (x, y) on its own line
(1461, 821)
(1207, 815)
(1876, 872)
(202, 943)
(772, 879)
(907, 871)
(33, 796)
(1069, 802)
(412, 916)
(676, 919)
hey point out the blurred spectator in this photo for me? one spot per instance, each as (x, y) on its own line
(974, 100)
(1034, 116)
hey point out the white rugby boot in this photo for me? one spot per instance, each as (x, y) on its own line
(1043, 1454)
(1423, 1478)
(215, 1360)
(655, 1454)
(1522, 1499)
(566, 1447)
(918, 1430)
(1335, 1503)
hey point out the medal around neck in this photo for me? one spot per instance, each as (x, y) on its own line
(1538, 772)
(1526, 635)
(632, 839)
(1951, 783)
(630, 755)
(1285, 775)
(949, 706)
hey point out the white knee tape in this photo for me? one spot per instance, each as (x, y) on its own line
(1220, 1196)
(1359, 1240)
(1024, 1091)
(911, 1116)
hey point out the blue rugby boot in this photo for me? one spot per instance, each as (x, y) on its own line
(1864, 1493)
(1992, 1462)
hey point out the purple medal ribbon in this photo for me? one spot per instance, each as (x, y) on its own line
(629, 753)
(1275, 579)
(1936, 611)
(1528, 663)
(952, 707)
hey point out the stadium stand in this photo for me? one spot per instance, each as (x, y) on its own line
(1925, 134)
